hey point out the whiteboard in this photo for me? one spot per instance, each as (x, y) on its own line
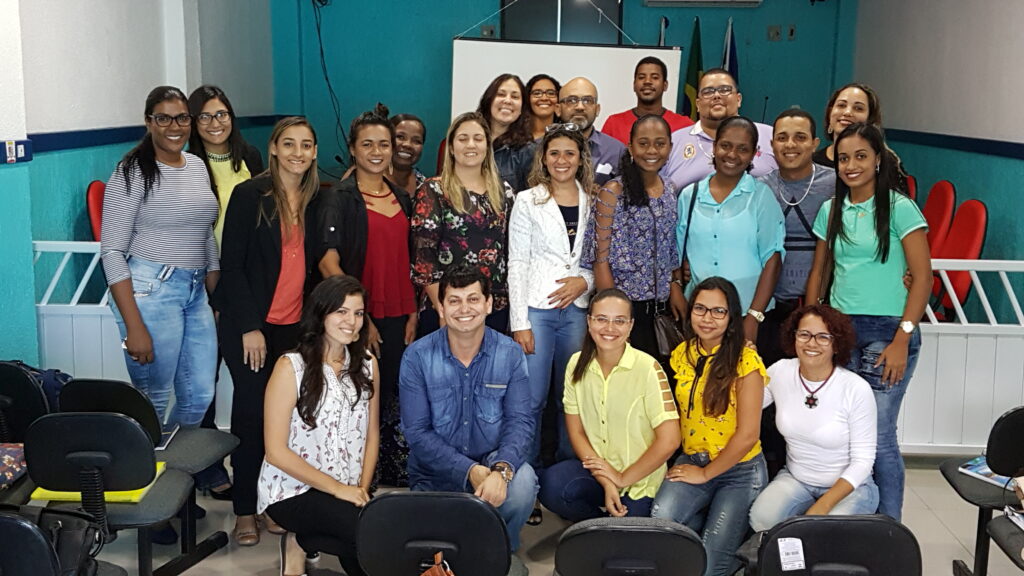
(945, 66)
(475, 62)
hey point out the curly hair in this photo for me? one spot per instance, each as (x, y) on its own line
(844, 338)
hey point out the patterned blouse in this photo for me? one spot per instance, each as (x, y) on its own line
(631, 237)
(335, 447)
(442, 237)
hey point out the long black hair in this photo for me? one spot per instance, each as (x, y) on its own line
(632, 181)
(236, 144)
(589, 349)
(883, 190)
(143, 154)
(518, 133)
(722, 372)
(327, 297)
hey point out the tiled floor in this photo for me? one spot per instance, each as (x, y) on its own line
(943, 524)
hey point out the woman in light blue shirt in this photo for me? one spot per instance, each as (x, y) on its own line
(734, 228)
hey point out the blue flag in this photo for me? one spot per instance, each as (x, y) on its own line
(729, 60)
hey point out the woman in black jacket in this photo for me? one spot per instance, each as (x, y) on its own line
(267, 262)
(364, 226)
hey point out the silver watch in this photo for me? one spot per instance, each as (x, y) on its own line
(907, 326)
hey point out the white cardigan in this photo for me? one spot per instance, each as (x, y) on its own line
(539, 254)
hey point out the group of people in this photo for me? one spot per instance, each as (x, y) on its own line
(399, 330)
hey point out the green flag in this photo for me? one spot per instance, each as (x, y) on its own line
(694, 70)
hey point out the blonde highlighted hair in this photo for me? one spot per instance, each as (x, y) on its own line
(308, 187)
(539, 171)
(453, 188)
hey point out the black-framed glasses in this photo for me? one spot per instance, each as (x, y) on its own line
(723, 90)
(540, 93)
(718, 313)
(222, 116)
(163, 120)
(574, 100)
(822, 338)
(564, 127)
(602, 321)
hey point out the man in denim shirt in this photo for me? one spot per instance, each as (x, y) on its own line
(465, 402)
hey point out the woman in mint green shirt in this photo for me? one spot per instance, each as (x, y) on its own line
(871, 238)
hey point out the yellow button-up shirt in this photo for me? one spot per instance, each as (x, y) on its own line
(619, 413)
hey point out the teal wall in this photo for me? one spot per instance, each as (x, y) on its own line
(410, 69)
(18, 338)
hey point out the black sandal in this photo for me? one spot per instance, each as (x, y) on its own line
(536, 517)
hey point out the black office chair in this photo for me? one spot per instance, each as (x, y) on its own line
(21, 402)
(874, 545)
(93, 452)
(25, 549)
(1005, 457)
(629, 546)
(400, 532)
(1010, 539)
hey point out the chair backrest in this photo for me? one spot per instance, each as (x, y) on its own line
(911, 187)
(21, 401)
(399, 531)
(25, 549)
(965, 241)
(55, 441)
(1003, 453)
(938, 212)
(621, 546)
(94, 205)
(842, 545)
(94, 395)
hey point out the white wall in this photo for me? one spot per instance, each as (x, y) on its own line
(91, 64)
(12, 100)
(945, 66)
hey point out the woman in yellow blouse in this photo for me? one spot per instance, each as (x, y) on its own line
(720, 389)
(621, 419)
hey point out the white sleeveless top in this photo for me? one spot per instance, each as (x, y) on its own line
(335, 446)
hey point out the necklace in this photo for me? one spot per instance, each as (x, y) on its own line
(218, 157)
(378, 193)
(811, 401)
(710, 156)
(814, 173)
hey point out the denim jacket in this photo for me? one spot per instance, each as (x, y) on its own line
(455, 416)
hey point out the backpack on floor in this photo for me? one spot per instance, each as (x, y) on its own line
(50, 380)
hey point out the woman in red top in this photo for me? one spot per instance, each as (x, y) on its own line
(362, 207)
(267, 257)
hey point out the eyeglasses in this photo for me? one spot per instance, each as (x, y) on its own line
(566, 127)
(222, 116)
(163, 120)
(716, 313)
(540, 93)
(574, 100)
(723, 90)
(822, 338)
(618, 321)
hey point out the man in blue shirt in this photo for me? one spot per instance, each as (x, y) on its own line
(466, 409)
(578, 105)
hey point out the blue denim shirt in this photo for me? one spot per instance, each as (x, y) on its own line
(455, 416)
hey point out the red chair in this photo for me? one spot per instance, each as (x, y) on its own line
(911, 187)
(938, 212)
(965, 241)
(440, 156)
(94, 205)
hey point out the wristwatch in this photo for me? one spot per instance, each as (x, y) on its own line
(505, 470)
(907, 326)
(759, 316)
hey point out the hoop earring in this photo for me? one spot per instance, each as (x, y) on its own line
(878, 168)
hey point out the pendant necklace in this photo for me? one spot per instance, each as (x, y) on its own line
(814, 172)
(811, 400)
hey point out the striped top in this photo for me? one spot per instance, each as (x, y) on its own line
(172, 226)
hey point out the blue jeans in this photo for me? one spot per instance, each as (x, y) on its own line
(786, 497)
(570, 490)
(557, 335)
(717, 510)
(874, 333)
(174, 308)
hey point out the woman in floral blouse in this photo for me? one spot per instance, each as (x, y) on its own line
(461, 217)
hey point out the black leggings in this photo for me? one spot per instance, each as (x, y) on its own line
(331, 521)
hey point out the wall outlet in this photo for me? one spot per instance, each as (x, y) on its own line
(791, 33)
(487, 31)
(15, 151)
(774, 33)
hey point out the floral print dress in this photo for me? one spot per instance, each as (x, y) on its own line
(443, 236)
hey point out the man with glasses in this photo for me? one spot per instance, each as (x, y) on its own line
(577, 104)
(650, 80)
(718, 98)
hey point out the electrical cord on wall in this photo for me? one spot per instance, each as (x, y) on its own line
(339, 129)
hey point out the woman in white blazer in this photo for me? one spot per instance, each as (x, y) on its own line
(548, 290)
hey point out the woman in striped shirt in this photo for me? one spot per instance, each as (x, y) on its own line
(160, 259)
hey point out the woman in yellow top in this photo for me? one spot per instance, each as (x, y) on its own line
(621, 419)
(720, 389)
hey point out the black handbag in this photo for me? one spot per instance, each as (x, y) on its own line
(74, 535)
